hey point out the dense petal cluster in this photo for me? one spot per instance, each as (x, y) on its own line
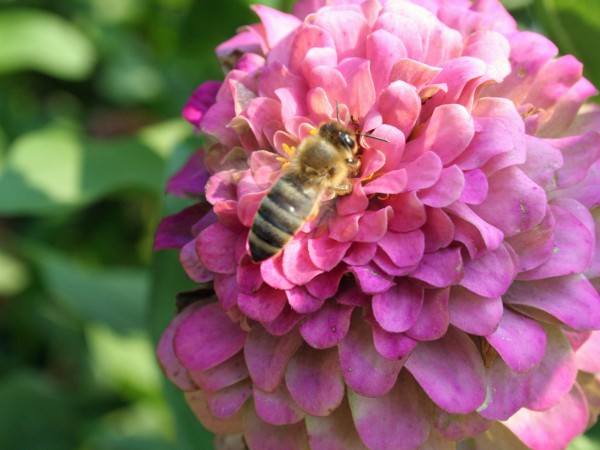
(452, 296)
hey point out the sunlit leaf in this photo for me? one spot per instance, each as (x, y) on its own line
(37, 40)
(13, 275)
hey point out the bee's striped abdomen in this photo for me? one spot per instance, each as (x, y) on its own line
(280, 215)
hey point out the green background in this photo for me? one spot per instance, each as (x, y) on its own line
(90, 129)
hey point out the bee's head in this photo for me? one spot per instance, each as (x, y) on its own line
(339, 135)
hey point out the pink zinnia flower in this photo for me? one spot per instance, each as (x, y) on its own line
(452, 295)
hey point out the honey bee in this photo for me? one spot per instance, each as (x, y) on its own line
(323, 162)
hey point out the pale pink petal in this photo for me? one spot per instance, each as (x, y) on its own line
(400, 105)
(460, 426)
(271, 271)
(538, 430)
(197, 403)
(334, 432)
(297, 265)
(587, 354)
(262, 435)
(223, 375)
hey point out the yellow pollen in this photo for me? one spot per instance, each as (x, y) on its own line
(290, 151)
(313, 131)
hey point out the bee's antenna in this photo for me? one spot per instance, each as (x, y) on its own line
(337, 110)
(373, 137)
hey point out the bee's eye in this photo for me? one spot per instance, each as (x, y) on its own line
(347, 140)
(351, 161)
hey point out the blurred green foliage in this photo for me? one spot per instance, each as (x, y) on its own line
(90, 95)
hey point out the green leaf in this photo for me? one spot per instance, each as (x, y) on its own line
(575, 27)
(55, 168)
(115, 297)
(34, 415)
(36, 40)
(13, 275)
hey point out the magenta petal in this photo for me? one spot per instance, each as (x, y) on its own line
(571, 299)
(514, 203)
(371, 280)
(424, 171)
(397, 308)
(267, 356)
(507, 391)
(404, 249)
(440, 269)
(207, 324)
(198, 404)
(218, 258)
(573, 248)
(450, 371)
(364, 369)
(538, 430)
(398, 420)
(175, 231)
(302, 301)
(555, 374)
(326, 285)
(277, 407)
(326, 253)
(262, 435)
(334, 432)
(263, 305)
(314, 380)
(473, 313)
(226, 402)
(520, 341)
(192, 265)
(271, 270)
(328, 326)
(392, 345)
(439, 230)
(490, 275)
(392, 182)
(202, 99)
(433, 319)
(373, 225)
(409, 212)
(169, 363)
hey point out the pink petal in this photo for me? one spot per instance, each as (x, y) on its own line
(271, 270)
(460, 426)
(334, 432)
(473, 313)
(397, 308)
(507, 391)
(447, 133)
(538, 430)
(175, 231)
(587, 354)
(192, 265)
(439, 230)
(555, 374)
(326, 285)
(573, 248)
(297, 265)
(543, 159)
(328, 326)
(383, 49)
(520, 341)
(264, 305)
(277, 25)
(392, 182)
(227, 291)
(360, 93)
(391, 345)
(228, 401)
(400, 106)
(492, 274)
(326, 253)
(477, 235)
(262, 435)
(446, 190)
(226, 374)
(398, 420)
(450, 371)
(355, 202)
(409, 212)
(314, 380)
(360, 253)
(348, 30)
(393, 149)
(197, 403)
(476, 187)
(424, 171)
(373, 225)
(363, 368)
(521, 201)
(277, 407)
(202, 99)
(572, 299)
(440, 269)
(433, 320)
(207, 324)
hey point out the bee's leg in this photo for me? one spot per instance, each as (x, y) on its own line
(343, 189)
(314, 213)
